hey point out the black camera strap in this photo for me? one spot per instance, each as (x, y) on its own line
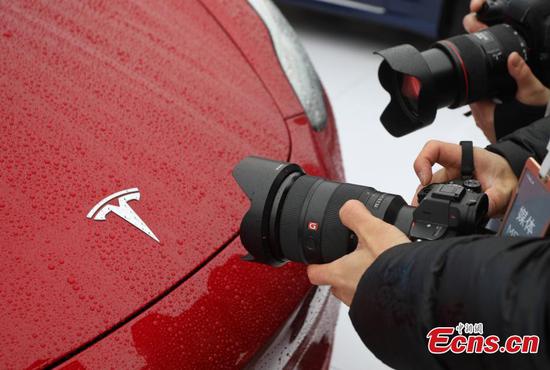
(467, 167)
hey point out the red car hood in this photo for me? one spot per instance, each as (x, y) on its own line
(99, 98)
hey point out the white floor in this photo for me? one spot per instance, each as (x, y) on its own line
(342, 52)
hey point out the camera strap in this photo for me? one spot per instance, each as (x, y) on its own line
(467, 167)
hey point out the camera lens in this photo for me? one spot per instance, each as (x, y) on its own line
(295, 217)
(453, 73)
(310, 228)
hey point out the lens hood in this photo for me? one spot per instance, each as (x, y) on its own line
(262, 181)
(398, 119)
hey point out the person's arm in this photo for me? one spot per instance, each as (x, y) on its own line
(530, 141)
(412, 288)
(399, 291)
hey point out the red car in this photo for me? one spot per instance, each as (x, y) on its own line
(121, 122)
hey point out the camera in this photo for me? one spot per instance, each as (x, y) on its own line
(465, 68)
(295, 217)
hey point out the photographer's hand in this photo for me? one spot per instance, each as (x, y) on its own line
(494, 173)
(530, 90)
(374, 235)
(471, 23)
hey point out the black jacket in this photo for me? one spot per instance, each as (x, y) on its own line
(501, 282)
(530, 141)
(514, 115)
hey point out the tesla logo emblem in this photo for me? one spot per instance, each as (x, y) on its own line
(123, 210)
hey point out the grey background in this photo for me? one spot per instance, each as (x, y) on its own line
(342, 52)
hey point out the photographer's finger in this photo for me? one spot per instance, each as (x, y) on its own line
(414, 201)
(445, 175)
(447, 155)
(530, 90)
(355, 216)
(472, 24)
(321, 274)
(475, 5)
(424, 162)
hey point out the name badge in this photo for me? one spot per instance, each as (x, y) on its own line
(529, 211)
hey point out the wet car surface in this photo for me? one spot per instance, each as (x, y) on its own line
(165, 98)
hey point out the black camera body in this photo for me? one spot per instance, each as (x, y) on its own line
(295, 217)
(465, 68)
(448, 209)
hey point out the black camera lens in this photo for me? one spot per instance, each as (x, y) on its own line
(295, 217)
(453, 73)
(310, 230)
